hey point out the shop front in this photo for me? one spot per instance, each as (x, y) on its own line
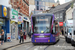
(19, 25)
(61, 25)
(25, 25)
(4, 21)
(14, 25)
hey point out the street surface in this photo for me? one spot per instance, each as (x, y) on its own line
(61, 45)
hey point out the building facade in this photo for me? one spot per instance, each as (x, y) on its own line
(67, 0)
(60, 13)
(44, 4)
(69, 13)
(41, 5)
(5, 20)
(22, 6)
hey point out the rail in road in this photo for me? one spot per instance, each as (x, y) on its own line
(61, 45)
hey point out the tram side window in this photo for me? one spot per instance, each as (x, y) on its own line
(51, 21)
(54, 28)
(33, 21)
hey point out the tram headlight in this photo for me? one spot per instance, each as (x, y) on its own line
(48, 40)
(35, 40)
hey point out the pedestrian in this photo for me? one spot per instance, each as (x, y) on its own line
(62, 31)
(21, 36)
(2, 37)
(29, 34)
(24, 35)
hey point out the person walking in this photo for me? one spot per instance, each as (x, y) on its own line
(2, 37)
(62, 31)
(21, 37)
(24, 34)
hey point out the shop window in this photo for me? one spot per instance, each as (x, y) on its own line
(37, 7)
(61, 15)
(37, 2)
(2, 23)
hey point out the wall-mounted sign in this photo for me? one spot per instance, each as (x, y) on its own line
(14, 16)
(20, 19)
(60, 23)
(4, 11)
(25, 18)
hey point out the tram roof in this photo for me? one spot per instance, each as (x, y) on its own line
(43, 14)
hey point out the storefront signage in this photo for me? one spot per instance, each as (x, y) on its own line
(20, 19)
(25, 18)
(14, 16)
(4, 11)
(60, 23)
(8, 36)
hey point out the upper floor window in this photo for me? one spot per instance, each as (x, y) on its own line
(61, 15)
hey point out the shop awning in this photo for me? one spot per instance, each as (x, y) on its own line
(12, 22)
(19, 22)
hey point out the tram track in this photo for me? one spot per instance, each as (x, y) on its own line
(16, 45)
(46, 47)
(30, 47)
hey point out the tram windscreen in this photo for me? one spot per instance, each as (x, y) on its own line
(42, 24)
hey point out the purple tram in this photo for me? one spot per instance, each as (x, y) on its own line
(44, 29)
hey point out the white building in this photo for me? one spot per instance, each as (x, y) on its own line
(31, 7)
(67, 0)
(5, 3)
(69, 13)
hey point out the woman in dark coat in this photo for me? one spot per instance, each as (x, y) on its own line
(2, 37)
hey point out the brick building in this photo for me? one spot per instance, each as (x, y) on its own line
(22, 4)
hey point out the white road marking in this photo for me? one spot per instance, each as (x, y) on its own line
(36, 48)
(41, 47)
(28, 47)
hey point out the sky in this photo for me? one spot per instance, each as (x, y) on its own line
(61, 1)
